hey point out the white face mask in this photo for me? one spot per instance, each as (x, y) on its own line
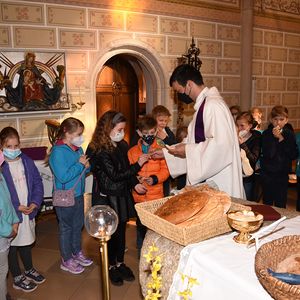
(243, 133)
(77, 141)
(118, 137)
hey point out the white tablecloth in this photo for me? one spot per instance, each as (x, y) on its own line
(225, 269)
(46, 175)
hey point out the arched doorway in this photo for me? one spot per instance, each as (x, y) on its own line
(120, 87)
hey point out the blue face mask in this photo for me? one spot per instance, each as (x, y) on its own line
(11, 154)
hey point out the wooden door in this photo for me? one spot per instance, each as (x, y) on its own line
(117, 89)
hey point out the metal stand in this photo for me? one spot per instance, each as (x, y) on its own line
(104, 268)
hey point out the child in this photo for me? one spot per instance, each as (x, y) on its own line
(67, 163)
(279, 148)
(153, 173)
(26, 190)
(115, 179)
(8, 229)
(250, 143)
(162, 116)
(257, 116)
(181, 135)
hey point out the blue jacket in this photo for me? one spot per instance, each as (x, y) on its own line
(8, 216)
(66, 168)
(34, 186)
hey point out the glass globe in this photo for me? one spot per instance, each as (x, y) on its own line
(101, 221)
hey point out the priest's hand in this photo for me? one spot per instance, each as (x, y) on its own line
(177, 150)
(156, 154)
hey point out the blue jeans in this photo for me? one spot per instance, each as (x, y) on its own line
(70, 222)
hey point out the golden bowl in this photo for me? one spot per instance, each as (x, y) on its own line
(244, 222)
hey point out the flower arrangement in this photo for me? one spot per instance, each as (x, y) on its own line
(187, 293)
(155, 283)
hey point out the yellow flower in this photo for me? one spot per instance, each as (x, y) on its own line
(148, 257)
(153, 248)
(192, 281)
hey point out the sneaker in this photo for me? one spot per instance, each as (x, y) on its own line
(35, 276)
(71, 266)
(81, 259)
(24, 284)
(115, 276)
(126, 272)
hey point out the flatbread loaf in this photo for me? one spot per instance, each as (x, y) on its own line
(194, 206)
(290, 265)
(183, 206)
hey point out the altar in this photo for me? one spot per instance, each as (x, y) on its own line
(223, 268)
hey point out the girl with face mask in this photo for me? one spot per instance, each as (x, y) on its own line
(115, 178)
(250, 143)
(68, 165)
(26, 190)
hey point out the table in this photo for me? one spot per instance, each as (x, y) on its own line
(215, 269)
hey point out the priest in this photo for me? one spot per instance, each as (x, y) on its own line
(211, 151)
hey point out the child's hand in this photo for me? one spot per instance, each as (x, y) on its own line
(140, 189)
(277, 133)
(148, 180)
(14, 230)
(161, 134)
(83, 159)
(143, 159)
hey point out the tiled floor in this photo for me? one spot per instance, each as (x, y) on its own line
(60, 285)
(86, 286)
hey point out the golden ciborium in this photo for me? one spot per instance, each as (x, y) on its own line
(245, 222)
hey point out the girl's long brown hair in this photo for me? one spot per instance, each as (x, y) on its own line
(101, 137)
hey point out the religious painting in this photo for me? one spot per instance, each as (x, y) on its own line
(32, 81)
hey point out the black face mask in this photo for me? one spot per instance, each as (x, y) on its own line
(149, 139)
(183, 97)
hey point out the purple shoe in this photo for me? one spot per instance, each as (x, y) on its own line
(71, 266)
(81, 259)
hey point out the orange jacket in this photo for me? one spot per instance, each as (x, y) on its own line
(156, 167)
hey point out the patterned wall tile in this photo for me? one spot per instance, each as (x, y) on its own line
(170, 63)
(33, 128)
(76, 81)
(8, 122)
(294, 113)
(228, 33)
(208, 66)
(178, 46)
(294, 55)
(76, 61)
(291, 70)
(5, 40)
(232, 50)
(257, 67)
(293, 84)
(77, 39)
(156, 42)
(213, 81)
(228, 67)
(144, 23)
(231, 83)
(257, 36)
(260, 52)
(270, 99)
(66, 16)
(173, 26)
(106, 37)
(203, 30)
(261, 83)
(274, 69)
(27, 37)
(257, 99)
(292, 40)
(278, 54)
(277, 84)
(273, 38)
(210, 48)
(231, 98)
(106, 19)
(18, 13)
(289, 99)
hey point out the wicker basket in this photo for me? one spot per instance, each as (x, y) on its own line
(270, 255)
(183, 235)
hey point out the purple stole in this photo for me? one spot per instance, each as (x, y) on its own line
(199, 127)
